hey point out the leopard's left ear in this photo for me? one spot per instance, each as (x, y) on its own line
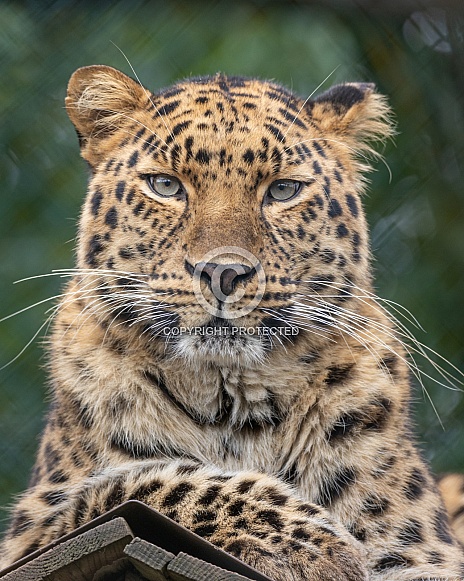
(355, 113)
(100, 100)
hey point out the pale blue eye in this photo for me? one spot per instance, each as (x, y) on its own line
(282, 190)
(164, 185)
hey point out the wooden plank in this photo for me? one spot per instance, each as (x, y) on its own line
(187, 568)
(79, 558)
(158, 529)
(149, 560)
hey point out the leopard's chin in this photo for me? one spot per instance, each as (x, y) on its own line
(220, 342)
(221, 348)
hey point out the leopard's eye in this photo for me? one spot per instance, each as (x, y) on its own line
(283, 190)
(164, 185)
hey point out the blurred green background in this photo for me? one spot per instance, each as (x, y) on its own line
(414, 52)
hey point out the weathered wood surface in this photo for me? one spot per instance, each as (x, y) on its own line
(187, 568)
(80, 558)
(109, 552)
(150, 561)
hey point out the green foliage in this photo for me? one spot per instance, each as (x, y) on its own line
(415, 56)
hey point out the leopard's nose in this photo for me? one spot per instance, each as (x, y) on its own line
(221, 278)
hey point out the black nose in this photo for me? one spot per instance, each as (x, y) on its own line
(222, 277)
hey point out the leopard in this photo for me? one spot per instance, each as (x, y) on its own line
(219, 353)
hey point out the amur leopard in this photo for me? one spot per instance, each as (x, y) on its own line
(219, 353)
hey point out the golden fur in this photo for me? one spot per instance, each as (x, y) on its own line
(294, 453)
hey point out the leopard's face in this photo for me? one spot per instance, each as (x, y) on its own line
(220, 210)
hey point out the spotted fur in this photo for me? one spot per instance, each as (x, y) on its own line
(293, 453)
(452, 489)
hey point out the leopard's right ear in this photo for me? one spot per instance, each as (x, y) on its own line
(358, 116)
(100, 100)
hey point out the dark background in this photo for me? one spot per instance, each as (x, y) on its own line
(413, 51)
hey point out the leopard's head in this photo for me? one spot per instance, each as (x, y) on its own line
(223, 216)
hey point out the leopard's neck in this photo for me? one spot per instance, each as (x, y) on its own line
(137, 401)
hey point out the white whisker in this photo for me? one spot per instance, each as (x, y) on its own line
(306, 100)
(36, 334)
(148, 95)
(310, 308)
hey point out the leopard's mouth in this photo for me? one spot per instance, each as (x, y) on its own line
(222, 341)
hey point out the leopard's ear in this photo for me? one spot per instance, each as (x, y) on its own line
(99, 100)
(355, 114)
